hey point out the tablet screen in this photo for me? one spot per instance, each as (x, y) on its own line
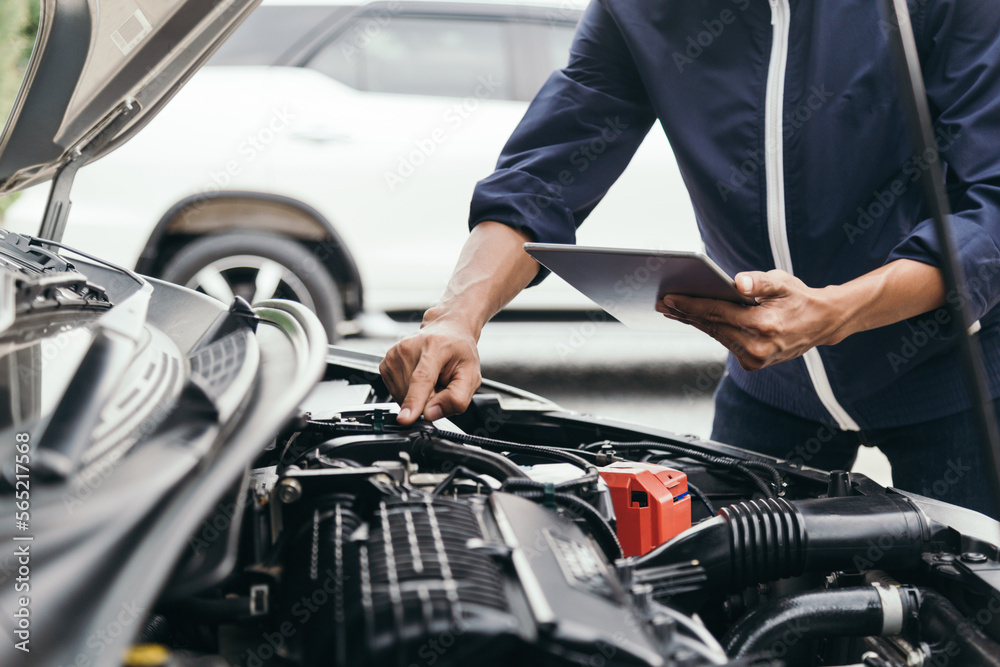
(628, 283)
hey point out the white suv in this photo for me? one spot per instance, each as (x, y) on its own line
(328, 151)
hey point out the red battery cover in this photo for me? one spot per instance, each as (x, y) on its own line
(651, 504)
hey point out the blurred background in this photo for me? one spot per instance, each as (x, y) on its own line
(327, 154)
(18, 25)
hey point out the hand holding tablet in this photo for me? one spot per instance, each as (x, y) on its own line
(629, 283)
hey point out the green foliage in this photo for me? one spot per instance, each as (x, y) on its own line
(18, 26)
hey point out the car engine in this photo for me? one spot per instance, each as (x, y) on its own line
(217, 487)
(515, 534)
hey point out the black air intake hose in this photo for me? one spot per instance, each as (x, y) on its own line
(763, 540)
(774, 628)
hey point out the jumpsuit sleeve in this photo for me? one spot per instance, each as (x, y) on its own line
(960, 54)
(574, 141)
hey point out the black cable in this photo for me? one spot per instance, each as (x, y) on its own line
(757, 480)
(493, 444)
(535, 484)
(490, 463)
(465, 473)
(702, 498)
(587, 481)
(776, 479)
(583, 484)
(350, 428)
(602, 531)
(744, 468)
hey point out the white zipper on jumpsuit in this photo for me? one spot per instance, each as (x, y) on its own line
(775, 175)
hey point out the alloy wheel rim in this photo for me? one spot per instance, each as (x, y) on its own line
(253, 277)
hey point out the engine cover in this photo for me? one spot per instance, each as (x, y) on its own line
(434, 580)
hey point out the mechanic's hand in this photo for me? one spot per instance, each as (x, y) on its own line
(433, 372)
(790, 318)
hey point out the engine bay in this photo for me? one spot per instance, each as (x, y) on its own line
(218, 487)
(519, 533)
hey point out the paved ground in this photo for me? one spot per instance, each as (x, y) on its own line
(660, 379)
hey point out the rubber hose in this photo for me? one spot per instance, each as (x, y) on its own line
(941, 623)
(763, 540)
(476, 459)
(519, 447)
(774, 628)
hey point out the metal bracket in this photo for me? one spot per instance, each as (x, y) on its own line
(259, 599)
(58, 205)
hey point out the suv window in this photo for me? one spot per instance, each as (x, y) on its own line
(421, 56)
(269, 32)
(550, 41)
(558, 38)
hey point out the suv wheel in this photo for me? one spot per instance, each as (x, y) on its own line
(257, 266)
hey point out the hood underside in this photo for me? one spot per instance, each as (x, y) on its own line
(100, 69)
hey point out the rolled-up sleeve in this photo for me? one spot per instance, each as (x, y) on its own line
(575, 140)
(960, 44)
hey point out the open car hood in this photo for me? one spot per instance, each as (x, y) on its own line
(99, 71)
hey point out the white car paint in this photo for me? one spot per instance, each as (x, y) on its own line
(297, 133)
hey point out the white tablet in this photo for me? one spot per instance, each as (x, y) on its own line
(628, 283)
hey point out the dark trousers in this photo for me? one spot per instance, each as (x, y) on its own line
(938, 458)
